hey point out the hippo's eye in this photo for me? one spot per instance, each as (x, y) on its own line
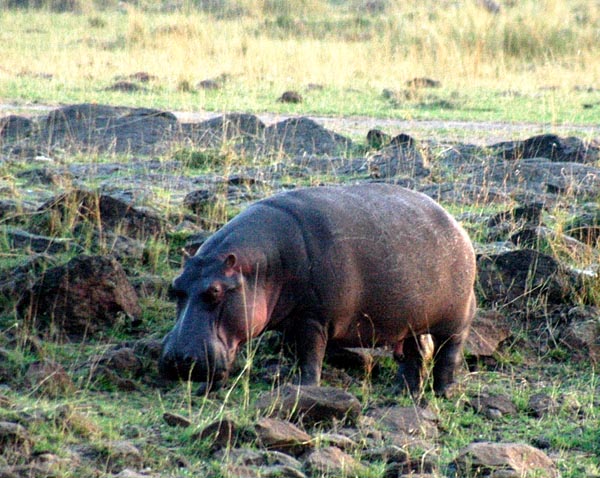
(213, 294)
(176, 294)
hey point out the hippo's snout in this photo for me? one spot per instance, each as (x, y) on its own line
(205, 363)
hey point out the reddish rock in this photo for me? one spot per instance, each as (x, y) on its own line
(87, 295)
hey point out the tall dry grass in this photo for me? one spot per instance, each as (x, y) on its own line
(356, 43)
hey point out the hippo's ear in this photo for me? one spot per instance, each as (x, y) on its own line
(231, 261)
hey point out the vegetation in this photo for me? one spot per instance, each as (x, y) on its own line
(358, 55)
(516, 65)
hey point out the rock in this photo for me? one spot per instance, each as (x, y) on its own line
(533, 179)
(338, 440)
(240, 129)
(125, 86)
(311, 404)
(516, 277)
(20, 239)
(122, 361)
(398, 159)
(47, 176)
(330, 461)
(364, 360)
(14, 437)
(551, 147)
(386, 454)
(246, 457)
(299, 136)
(14, 127)
(102, 211)
(540, 237)
(493, 406)
(86, 296)
(582, 336)
(541, 404)
(530, 213)
(100, 128)
(503, 460)
(491, 6)
(409, 421)
(423, 82)
(488, 330)
(377, 139)
(290, 97)
(59, 6)
(221, 434)
(460, 193)
(118, 455)
(175, 420)
(280, 435)
(585, 227)
(49, 379)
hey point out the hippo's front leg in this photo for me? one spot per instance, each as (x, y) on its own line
(311, 341)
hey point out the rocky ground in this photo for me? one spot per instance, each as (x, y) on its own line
(98, 201)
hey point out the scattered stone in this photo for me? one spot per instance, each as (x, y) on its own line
(14, 127)
(175, 420)
(14, 437)
(493, 406)
(122, 361)
(423, 83)
(408, 421)
(247, 457)
(541, 404)
(551, 147)
(516, 277)
(533, 179)
(377, 139)
(118, 455)
(398, 159)
(526, 214)
(311, 404)
(290, 97)
(111, 129)
(298, 136)
(125, 86)
(385, 454)
(222, 433)
(208, 84)
(330, 461)
(240, 129)
(20, 239)
(86, 296)
(491, 6)
(504, 460)
(488, 330)
(280, 435)
(585, 227)
(582, 336)
(101, 210)
(338, 440)
(49, 379)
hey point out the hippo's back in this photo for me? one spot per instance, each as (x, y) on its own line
(381, 253)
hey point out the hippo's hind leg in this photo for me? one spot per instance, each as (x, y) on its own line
(448, 347)
(408, 355)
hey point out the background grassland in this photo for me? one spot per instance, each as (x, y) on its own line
(533, 61)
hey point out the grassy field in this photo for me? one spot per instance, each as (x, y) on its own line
(534, 61)
(517, 65)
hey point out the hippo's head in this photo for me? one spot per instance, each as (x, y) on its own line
(220, 305)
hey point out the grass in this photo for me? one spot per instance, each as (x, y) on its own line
(518, 66)
(515, 66)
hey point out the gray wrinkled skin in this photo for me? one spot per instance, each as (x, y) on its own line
(364, 265)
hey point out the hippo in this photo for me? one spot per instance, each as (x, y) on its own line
(341, 266)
